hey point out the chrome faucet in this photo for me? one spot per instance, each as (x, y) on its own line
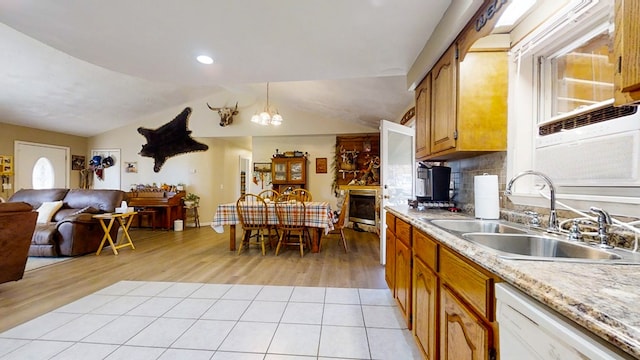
(604, 220)
(553, 217)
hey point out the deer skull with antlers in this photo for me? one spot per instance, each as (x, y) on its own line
(226, 114)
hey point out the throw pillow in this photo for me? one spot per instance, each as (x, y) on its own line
(46, 211)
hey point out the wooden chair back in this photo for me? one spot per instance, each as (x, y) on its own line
(291, 214)
(252, 211)
(301, 195)
(270, 194)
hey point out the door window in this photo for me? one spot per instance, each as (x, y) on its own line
(43, 174)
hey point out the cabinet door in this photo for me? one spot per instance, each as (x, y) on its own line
(423, 118)
(424, 307)
(463, 335)
(444, 102)
(279, 171)
(297, 171)
(403, 280)
(390, 264)
(626, 44)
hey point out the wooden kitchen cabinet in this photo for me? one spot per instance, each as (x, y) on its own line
(423, 118)
(403, 264)
(443, 133)
(468, 106)
(288, 172)
(425, 306)
(390, 251)
(464, 335)
(453, 304)
(626, 55)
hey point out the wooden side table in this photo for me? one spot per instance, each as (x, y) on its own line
(192, 211)
(124, 220)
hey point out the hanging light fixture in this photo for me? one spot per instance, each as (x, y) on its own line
(267, 117)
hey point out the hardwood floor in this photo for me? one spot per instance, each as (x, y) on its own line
(193, 255)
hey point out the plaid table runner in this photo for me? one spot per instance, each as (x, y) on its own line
(318, 214)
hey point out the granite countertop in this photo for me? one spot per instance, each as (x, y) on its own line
(604, 298)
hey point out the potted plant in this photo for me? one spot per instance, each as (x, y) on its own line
(191, 200)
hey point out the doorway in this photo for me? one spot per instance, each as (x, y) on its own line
(41, 166)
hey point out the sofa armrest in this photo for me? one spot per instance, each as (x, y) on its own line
(77, 218)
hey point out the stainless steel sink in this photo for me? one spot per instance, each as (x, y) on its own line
(476, 226)
(539, 247)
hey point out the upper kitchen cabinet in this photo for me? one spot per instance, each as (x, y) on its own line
(466, 113)
(423, 118)
(468, 116)
(627, 57)
(443, 108)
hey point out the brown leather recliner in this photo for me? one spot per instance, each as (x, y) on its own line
(72, 230)
(17, 222)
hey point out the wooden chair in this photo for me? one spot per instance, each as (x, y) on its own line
(339, 226)
(252, 211)
(270, 194)
(301, 195)
(291, 220)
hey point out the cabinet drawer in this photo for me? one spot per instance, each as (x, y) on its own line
(426, 250)
(403, 232)
(472, 285)
(391, 222)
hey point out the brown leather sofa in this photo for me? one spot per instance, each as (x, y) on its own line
(17, 221)
(72, 230)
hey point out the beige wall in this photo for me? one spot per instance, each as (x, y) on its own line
(213, 174)
(11, 133)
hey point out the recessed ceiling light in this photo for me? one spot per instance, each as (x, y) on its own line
(205, 59)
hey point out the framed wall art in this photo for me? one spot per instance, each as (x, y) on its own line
(77, 162)
(262, 167)
(321, 165)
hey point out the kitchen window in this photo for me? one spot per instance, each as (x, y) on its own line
(562, 69)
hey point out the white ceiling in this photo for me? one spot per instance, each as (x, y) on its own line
(85, 67)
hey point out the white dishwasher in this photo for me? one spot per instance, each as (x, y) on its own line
(531, 330)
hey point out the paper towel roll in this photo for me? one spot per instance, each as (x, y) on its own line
(487, 203)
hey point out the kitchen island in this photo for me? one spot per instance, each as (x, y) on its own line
(602, 298)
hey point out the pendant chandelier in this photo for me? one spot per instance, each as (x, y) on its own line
(267, 117)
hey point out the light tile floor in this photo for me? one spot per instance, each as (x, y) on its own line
(164, 320)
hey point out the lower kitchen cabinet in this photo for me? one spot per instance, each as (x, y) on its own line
(463, 335)
(425, 306)
(403, 279)
(453, 303)
(390, 262)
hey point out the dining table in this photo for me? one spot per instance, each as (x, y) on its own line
(318, 218)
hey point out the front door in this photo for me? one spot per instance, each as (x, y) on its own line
(397, 171)
(41, 166)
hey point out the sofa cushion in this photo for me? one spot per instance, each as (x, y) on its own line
(46, 211)
(102, 200)
(35, 197)
(44, 234)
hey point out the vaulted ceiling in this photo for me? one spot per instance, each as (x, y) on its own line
(86, 67)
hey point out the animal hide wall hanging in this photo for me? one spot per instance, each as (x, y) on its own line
(169, 140)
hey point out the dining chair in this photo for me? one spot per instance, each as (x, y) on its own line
(253, 214)
(270, 194)
(291, 224)
(338, 227)
(301, 195)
